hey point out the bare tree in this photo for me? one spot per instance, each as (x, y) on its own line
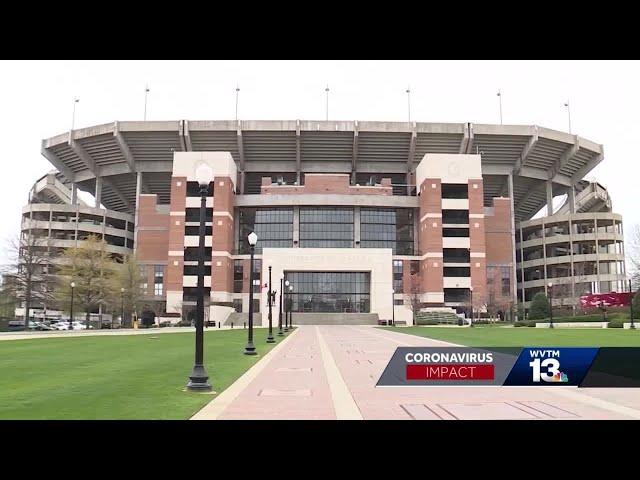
(27, 270)
(90, 267)
(128, 276)
(633, 256)
(412, 298)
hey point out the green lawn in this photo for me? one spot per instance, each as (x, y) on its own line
(525, 336)
(117, 377)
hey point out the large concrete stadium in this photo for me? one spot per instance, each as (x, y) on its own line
(439, 211)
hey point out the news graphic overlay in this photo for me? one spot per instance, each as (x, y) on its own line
(551, 366)
(583, 367)
(448, 366)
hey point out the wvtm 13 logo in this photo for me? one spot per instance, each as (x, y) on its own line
(545, 366)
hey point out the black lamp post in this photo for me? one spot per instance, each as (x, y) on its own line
(280, 332)
(250, 349)
(550, 290)
(270, 297)
(122, 317)
(393, 307)
(286, 311)
(471, 305)
(199, 380)
(73, 285)
(633, 325)
(290, 307)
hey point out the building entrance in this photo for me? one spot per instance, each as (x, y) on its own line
(329, 292)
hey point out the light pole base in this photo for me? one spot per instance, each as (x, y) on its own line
(250, 349)
(199, 380)
(270, 339)
(281, 333)
(551, 325)
(632, 327)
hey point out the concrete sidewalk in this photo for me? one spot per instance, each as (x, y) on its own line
(330, 372)
(120, 331)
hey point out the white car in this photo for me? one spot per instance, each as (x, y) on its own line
(65, 326)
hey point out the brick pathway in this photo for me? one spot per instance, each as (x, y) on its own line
(330, 372)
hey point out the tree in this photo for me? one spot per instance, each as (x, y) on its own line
(90, 267)
(412, 299)
(539, 308)
(27, 270)
(632, 251)
(636, 305)
(127, 275)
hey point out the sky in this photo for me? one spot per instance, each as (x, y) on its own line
(36, 102)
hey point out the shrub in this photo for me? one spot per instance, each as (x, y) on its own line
(616, 323)
(525, 323)
(539, 307)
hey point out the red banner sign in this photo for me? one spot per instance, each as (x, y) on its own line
(611, 299)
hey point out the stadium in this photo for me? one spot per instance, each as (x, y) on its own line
(367, 220)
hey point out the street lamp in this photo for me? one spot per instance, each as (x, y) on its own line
(633, 325)
(290, 307)
(270, 297)
(393, 306)
(199, 380)
(280, 332)
(122, 317)
(73, 285)
(286, 311)
(549, 285)
(250, 349)
(471, 305)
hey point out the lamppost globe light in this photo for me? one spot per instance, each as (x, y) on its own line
(204, 174)
(121, 289)
(393, 290)
(550, 284)
(291, 288)
(286, 282)
(471, 289)
(253, 239)
(73, 284)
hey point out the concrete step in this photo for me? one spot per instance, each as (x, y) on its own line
(335, 319)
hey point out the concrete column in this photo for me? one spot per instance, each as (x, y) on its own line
(135, 227)
(544, 256)
(356, 227)
(549, 197)
(98, 192)
(296, 226)
(514, 280)
(74, 194)
(571, 198)
(522, 265)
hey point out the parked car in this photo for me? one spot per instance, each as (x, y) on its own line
(76, 326)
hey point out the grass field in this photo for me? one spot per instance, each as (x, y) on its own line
(117, 377)
(491, 336)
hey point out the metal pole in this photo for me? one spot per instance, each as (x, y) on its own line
(550, 308)
(237, 90)
(327, 108)
(122, 321)
(71, 313)
(198, 380)
(146, 92)
(393, 308)
(290, 307)
(409, 102)
(269, 296)
(250, 349)
(569, 113)
(471, 305)
(500, 99)
(280, 332)
(73, 118)
(284, 305)
(632, 326)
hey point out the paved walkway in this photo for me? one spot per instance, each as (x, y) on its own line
(21, 335)
(330, 372)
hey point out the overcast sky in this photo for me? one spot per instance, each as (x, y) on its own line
(36, 100)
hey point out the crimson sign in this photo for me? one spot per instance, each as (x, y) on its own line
(611, 299)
